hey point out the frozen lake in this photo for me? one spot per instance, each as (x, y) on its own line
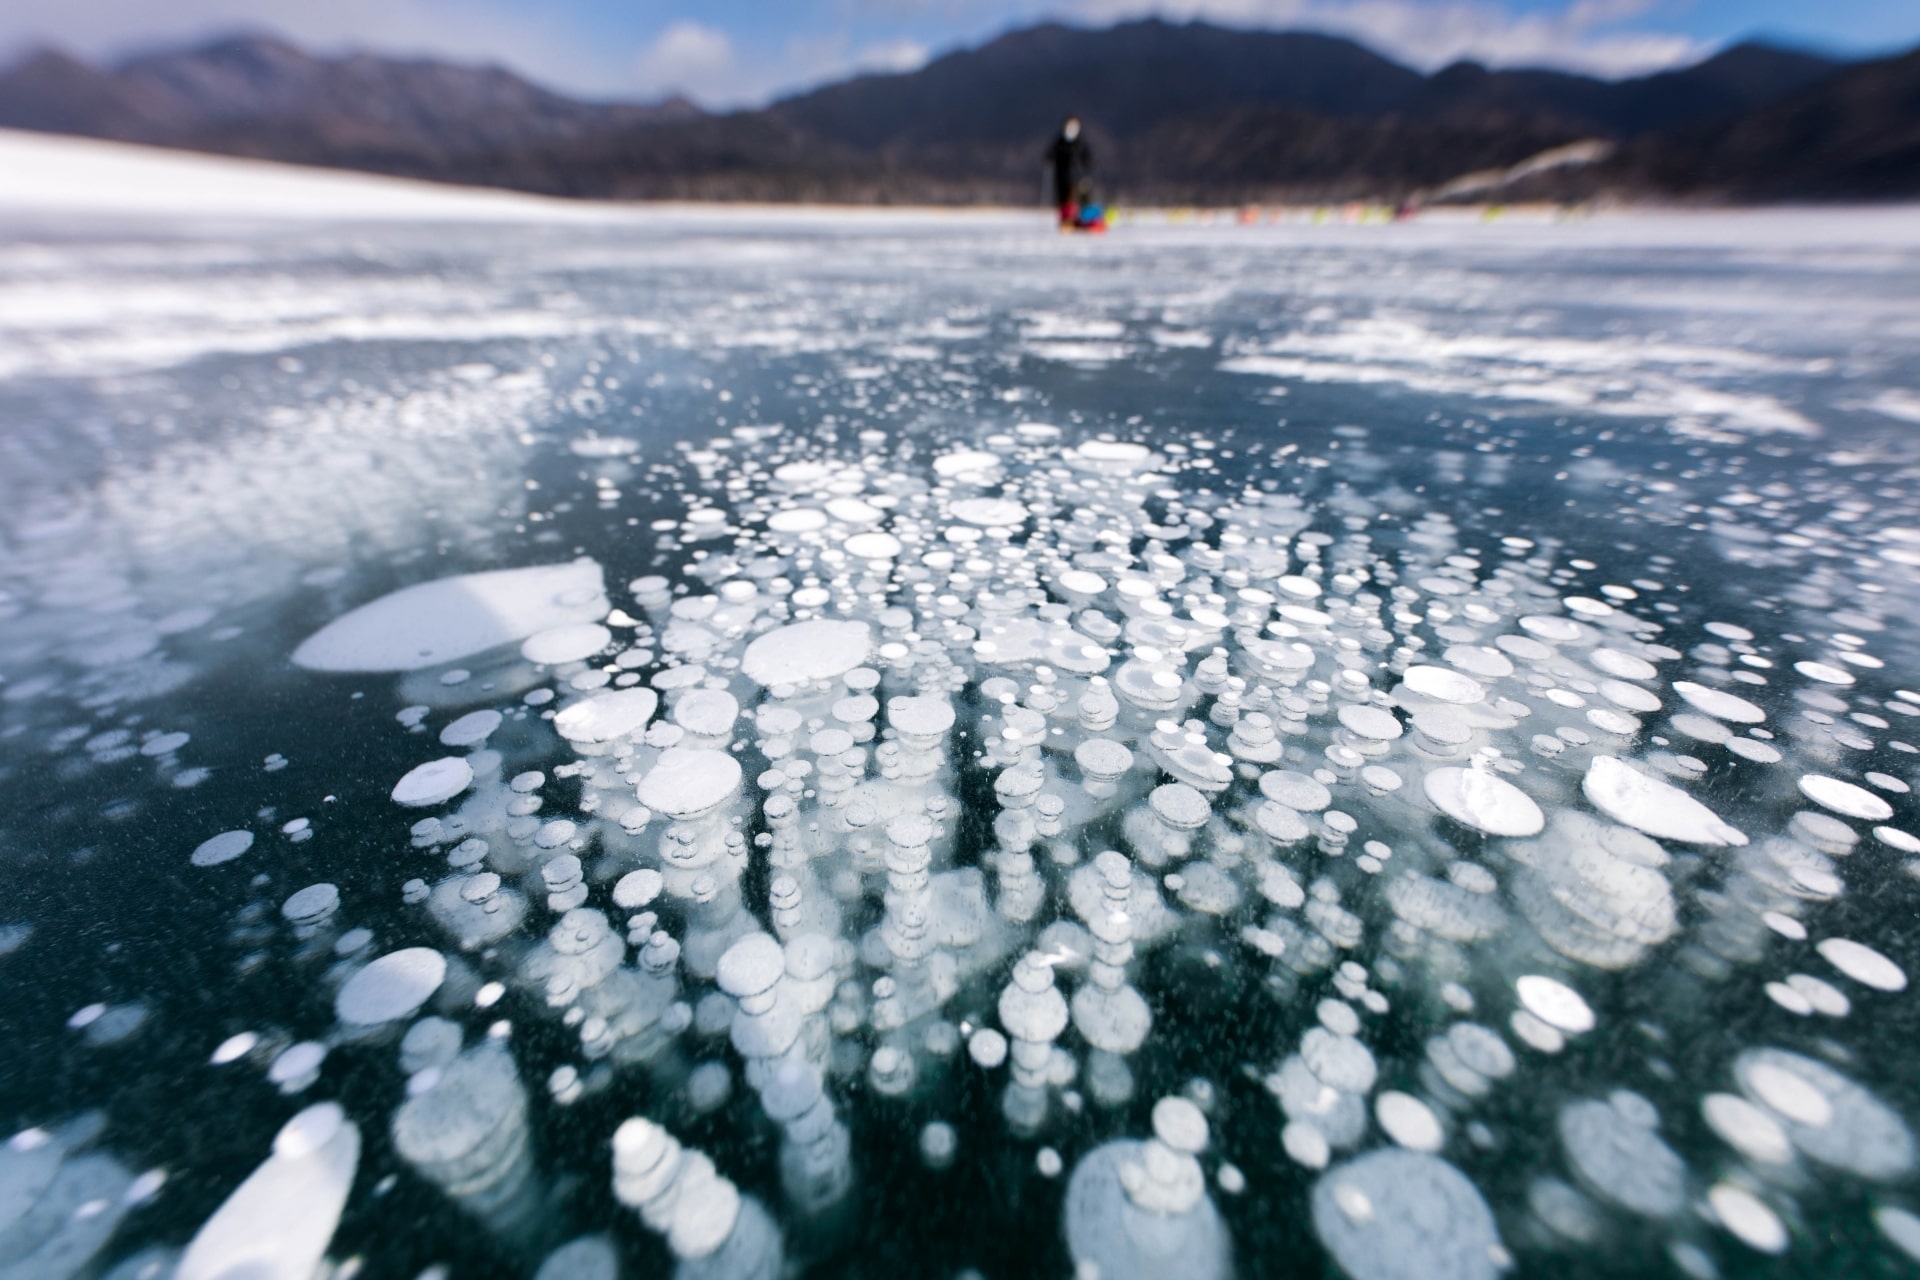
(888, 744)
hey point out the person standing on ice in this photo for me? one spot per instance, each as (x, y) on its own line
(1072, 161)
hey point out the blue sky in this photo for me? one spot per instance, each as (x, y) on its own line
(741, 52)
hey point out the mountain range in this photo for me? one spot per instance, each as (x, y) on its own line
(1176, 113)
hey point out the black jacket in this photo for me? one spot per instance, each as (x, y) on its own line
(1072, 161)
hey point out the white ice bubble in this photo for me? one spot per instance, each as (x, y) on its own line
(1554, 1003)
(1622, 665)
(1408, 1121)
(1615, 1148)
(686, 782)
(1119, 456)
(234, 1048)
(1844, 798)
(224, 847)
(797, 520)
(605, 717)
(1823, 672)
(1405, 1215)
(1748, 1218)
(1180, 1124)
(873, 546)
(392, 987)
(296, 1066)
(1297, 791)
(964, 462)
(1375, 724)
(312, 904)
(1479, 799)
(1863, 964)
(454, 618)
(1746, 1128)
(1789, 1093)
(434, 782)
(276, 1224)
(1645, 803)
(987, 1047)
(1305, 1145)
(708, 712)
(557, 646)
(1631, 697)
(471, 729)
(1758, 752)
(820, 649)
(636, 889)
(1718, 703)
(1445, 685)
(989, 512)
(1901, 1227)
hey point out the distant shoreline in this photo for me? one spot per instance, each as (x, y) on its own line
(58, 175)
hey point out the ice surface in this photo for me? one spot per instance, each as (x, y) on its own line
(62, 177)
(1304, 736)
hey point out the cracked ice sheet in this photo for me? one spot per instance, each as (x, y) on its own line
(1620, 377)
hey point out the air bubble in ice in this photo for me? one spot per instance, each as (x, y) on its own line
(224, 847)
(1477, 799)
(1645, 803)
(391, 987)
(439, 622)
(1863, 964)
(434, 782)
(1404, 1215)
(1845, 798)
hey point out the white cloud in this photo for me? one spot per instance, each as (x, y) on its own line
(702, 63)
(689, 58)
(1587, 35)
(892, 55)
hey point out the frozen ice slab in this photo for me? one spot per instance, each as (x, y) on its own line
(454, 618)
